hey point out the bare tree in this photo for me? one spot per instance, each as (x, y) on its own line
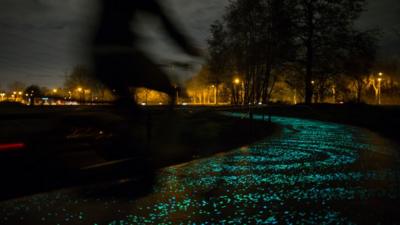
(360, 60)
(319, 22)
(17, 86)
(256, 38)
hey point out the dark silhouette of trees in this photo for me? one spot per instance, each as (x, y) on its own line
(255, 40)
(321, 24)
(33, 92)
(82, 84)
(360, 60)
(16, 86)
(390, 67)
(82, 77)
(218, 65)
(312, 41)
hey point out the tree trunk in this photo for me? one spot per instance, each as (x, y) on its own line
(265, 94)
(310, 54)
(359, 91)
(32, 101)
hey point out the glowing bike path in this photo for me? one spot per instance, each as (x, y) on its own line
(311, 173)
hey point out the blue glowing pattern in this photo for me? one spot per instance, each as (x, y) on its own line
(310, 173)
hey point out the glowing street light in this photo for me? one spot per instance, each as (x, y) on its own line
(79, 89)
(380, 88)
(55, 91)
(237, 90)
(215, 93)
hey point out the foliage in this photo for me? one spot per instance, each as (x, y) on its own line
(151, 97)
(33, 92)
(263, 41)
(255, 39)
(17, 86)
(323, 26)
(81, 77)
(360, 59)
(81, 81)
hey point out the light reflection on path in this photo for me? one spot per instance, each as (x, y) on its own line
(313, 172)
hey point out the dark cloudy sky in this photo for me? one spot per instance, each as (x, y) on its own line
(41, 40)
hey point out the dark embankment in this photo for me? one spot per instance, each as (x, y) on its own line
(384, 120)
(72, 146)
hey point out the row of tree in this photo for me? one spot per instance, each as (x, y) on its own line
(81, 85)
(307, 43)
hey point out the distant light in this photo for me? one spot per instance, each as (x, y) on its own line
(20, 93)
(380, 74)
(260, 103)
(143, 104)
(379, 79)
(237, 81)
(184, 103)
(55, 90)
(160, 103)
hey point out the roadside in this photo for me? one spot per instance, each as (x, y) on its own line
(384, 120)
(79, 145)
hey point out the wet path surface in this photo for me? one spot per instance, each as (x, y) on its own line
(312, 173)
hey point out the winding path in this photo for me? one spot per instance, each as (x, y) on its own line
(312, 173)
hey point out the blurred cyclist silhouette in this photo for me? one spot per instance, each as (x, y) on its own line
(117, 61)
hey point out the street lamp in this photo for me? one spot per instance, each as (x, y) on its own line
(379, 89)
(236, 96)
(81, 94)
(215, 93)
(55, 91)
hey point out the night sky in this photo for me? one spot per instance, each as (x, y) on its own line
(41, 40)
